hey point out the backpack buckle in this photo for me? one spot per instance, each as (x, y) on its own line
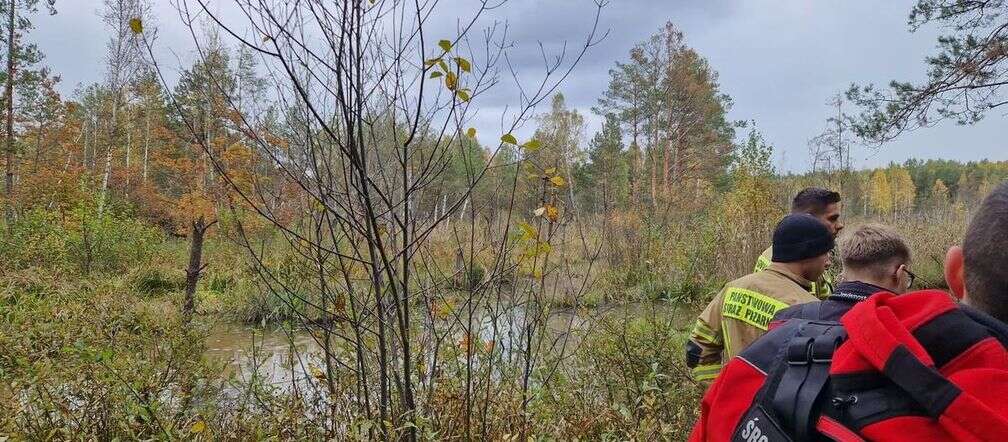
(823, 348)
(799, 351)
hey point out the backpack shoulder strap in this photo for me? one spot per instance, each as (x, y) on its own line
(810, 310)
(804, 375)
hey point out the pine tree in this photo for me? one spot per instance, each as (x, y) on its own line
(21, 59)
(669, 102)
(607, 177)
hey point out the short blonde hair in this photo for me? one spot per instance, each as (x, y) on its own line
(871, 247)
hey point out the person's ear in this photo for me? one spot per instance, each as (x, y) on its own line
(898, 279)
(954, 275)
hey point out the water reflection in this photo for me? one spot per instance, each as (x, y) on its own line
(283, 357)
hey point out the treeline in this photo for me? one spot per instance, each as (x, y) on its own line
(666, 140)
(912, 186)
(179, 153)
(168, 156)
(666, 145)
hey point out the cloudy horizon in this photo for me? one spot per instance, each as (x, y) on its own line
(780, 61)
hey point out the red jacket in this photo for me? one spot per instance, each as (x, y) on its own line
(915, 367)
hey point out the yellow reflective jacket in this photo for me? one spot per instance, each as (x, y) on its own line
(821, 288)
(741, 312)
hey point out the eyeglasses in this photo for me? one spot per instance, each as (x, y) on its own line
(911, 275)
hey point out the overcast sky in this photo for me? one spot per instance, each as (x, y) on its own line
(780, 60)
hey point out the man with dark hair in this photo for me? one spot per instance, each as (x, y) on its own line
(909, 367)
(820, 203)
(817, 201)
(977, 272)
(741, 311)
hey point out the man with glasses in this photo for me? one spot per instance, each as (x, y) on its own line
(897, 367)
(875, 259)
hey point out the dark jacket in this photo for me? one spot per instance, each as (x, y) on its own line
(833, 307)
(913, 367)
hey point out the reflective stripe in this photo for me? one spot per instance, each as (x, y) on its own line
(822, 291)
(706, 372)
(761, 264)
(700, 329)
(727, 354)
(750, 307)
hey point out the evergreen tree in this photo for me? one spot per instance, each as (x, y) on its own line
(22, 70)
(606, 181)
(669, 102)
(964, 78)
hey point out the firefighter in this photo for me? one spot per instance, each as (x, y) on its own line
(825, 205)
(742, 310)
(910, 367)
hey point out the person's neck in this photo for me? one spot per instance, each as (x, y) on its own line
(868, 279)
(795, 268)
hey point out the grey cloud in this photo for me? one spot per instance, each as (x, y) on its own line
(780, 60)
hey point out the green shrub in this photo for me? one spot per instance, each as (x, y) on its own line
(627, 382)
(109, 242)
(154, 281)
(79, 242)
(93, 361)
(37, 239)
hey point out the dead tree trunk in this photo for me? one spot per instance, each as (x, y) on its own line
(146, 144)
(113, 136)
(196, 264)
(9, 97)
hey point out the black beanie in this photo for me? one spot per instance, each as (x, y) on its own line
(800, 236)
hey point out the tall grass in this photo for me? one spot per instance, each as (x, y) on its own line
(98, 351)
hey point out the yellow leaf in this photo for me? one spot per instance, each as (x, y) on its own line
(509, 139)
(537, 249)
(451, 81)
(552, 212)
(557, 181)
(435, 74)
(463, 95)
(532, 145)
(316, 372)
(445, 45)
(463, 64)
(528, 232)
(431, 62)
(198, 427)
(471, 133)
(136, 25)
(550, 171)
